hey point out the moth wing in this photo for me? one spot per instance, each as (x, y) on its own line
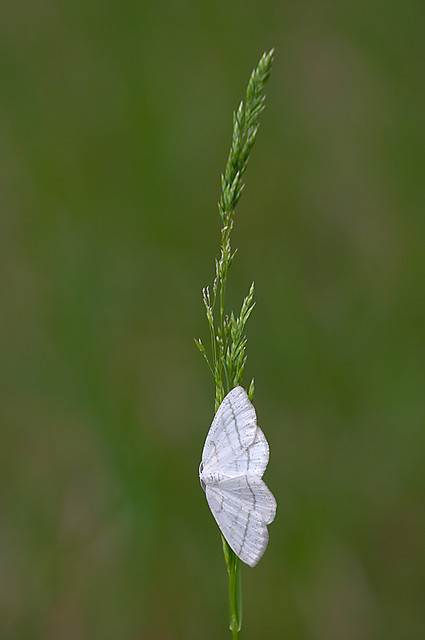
(232, 430)
(242, 508)
(251, 460)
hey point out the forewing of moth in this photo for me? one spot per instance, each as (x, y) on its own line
(232, 430)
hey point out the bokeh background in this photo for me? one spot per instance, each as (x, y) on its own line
(115, 126)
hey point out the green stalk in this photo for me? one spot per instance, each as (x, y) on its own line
(235, 589)
(227, 332)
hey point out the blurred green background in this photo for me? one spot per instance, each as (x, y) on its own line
(115, 126)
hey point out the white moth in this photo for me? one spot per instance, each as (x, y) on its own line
(234, 459)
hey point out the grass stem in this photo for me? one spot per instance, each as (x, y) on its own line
(227, 332)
